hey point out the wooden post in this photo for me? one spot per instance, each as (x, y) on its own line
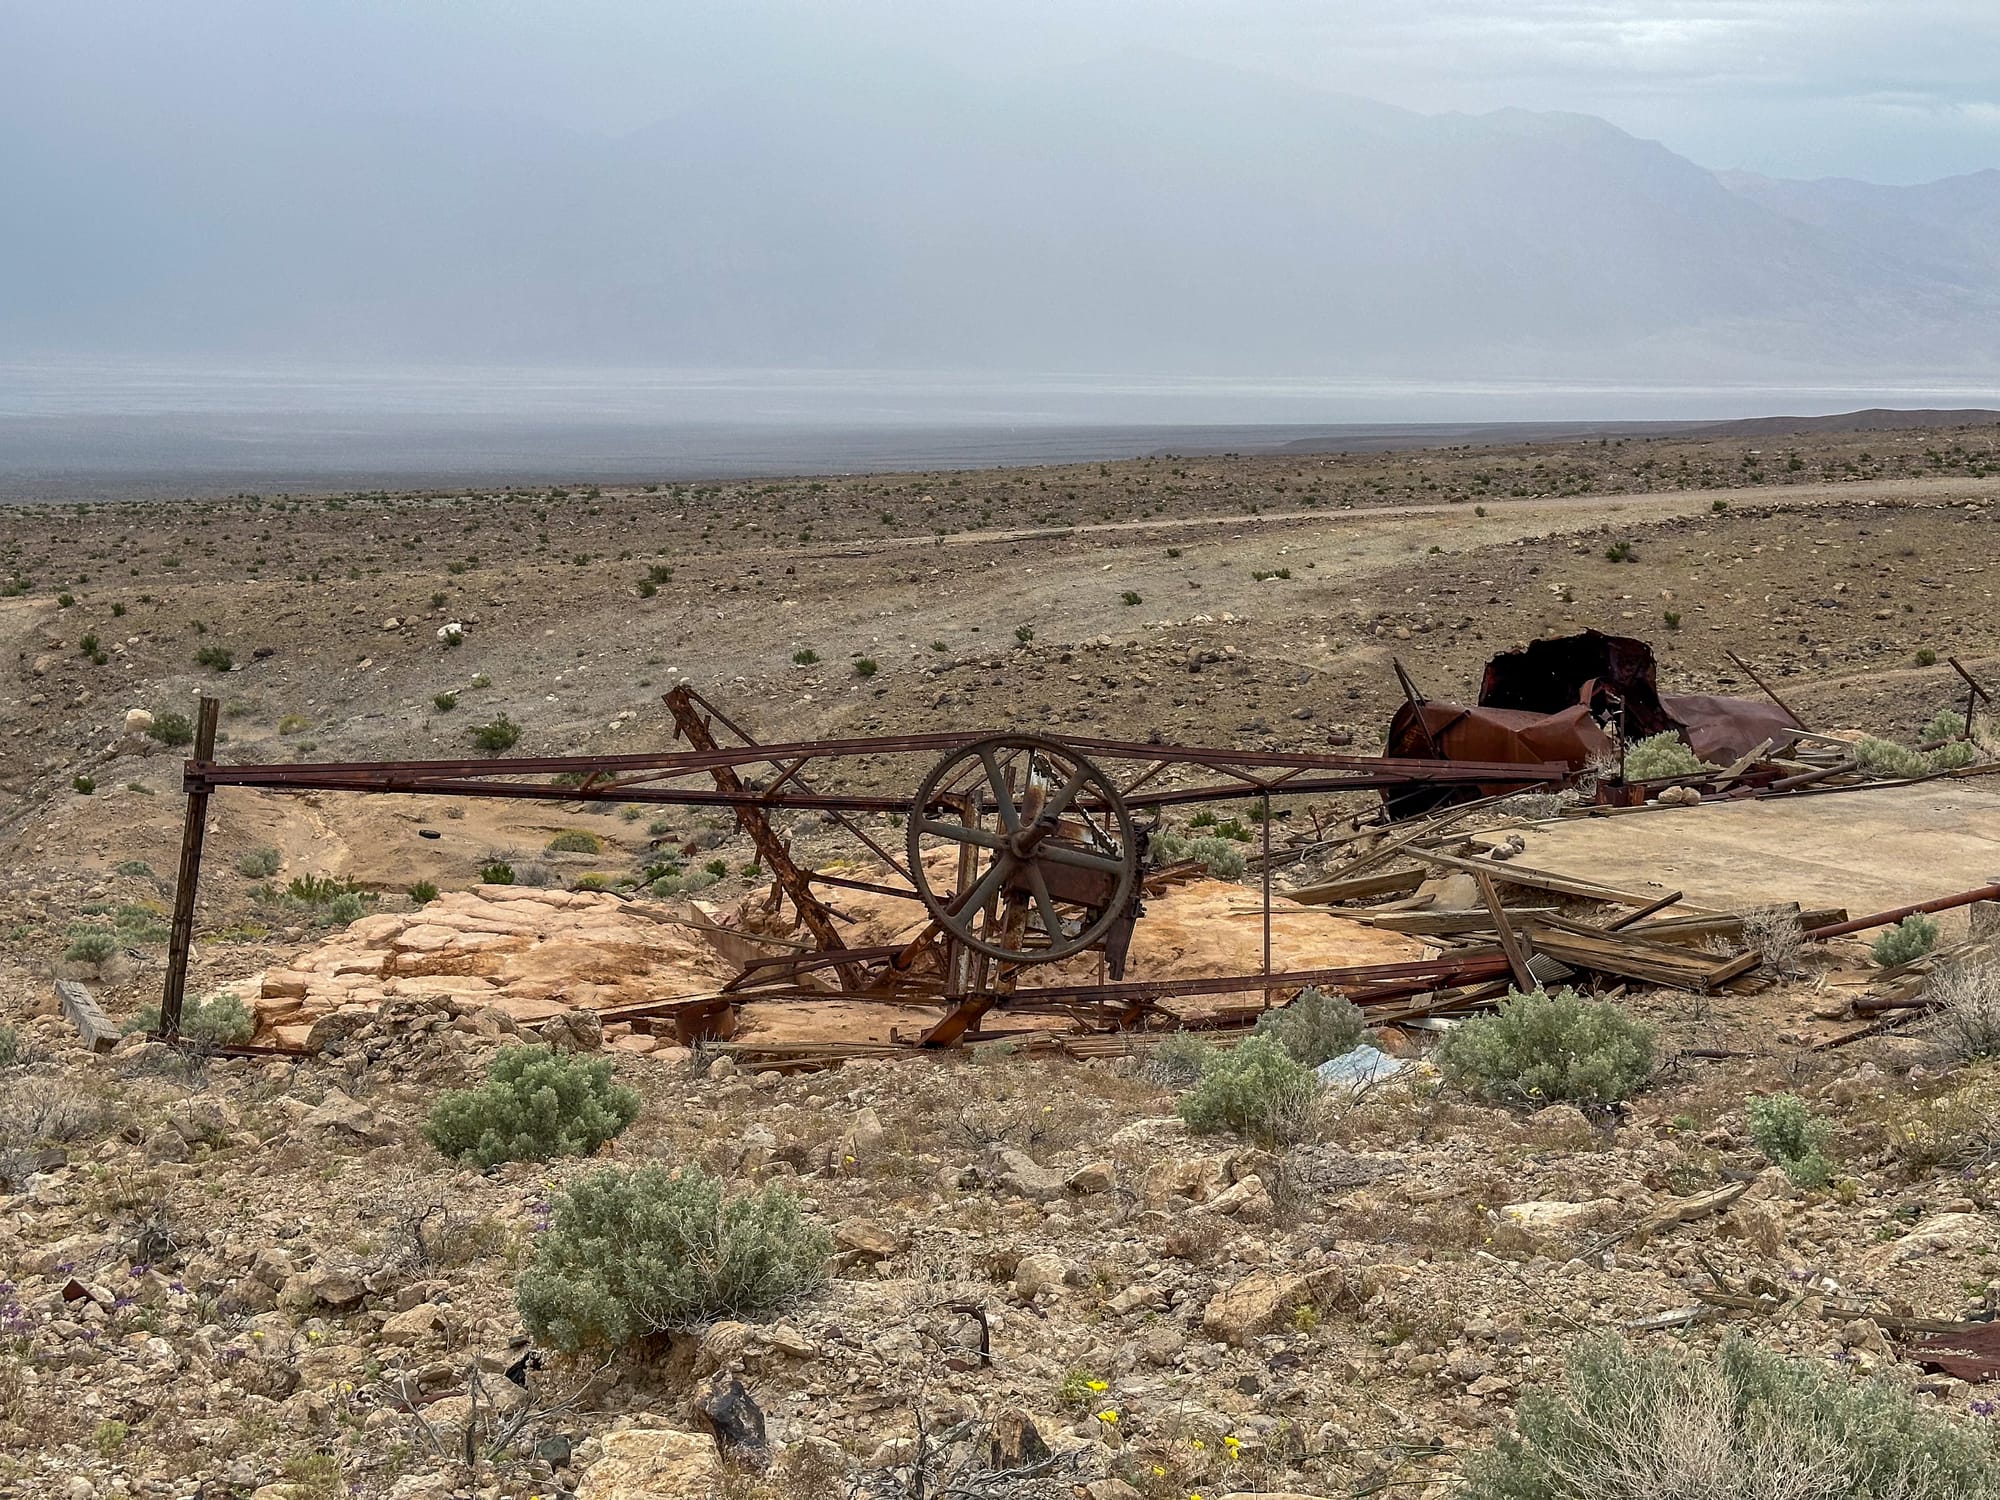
(193, 830)
(1510, 941)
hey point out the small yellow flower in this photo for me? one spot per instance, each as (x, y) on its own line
(1099, 1385)
(1159, 1472)
(1109, 1414)
(1199, 1445)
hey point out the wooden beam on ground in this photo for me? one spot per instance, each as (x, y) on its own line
(1357, 888)
(1540, 880)
(1510, 940)
(81, 1010)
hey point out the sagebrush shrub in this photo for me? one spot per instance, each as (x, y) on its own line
(1256, 1088)
(1546, 1047)
(1178, 1061)
(575, 841)
(218, 1019)
(1965, 1009)
(633, 1253)
(535, 1104)
(1736, 1423)
(10, 1046)
(1793, 1137)
(1316, 1026)
(172, 729)
(1909, 940)
(260, 863)
(1219, 856)
(1661, 755)
(1887, 758)
(91, 945)
(497, 735)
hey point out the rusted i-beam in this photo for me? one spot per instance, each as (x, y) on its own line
(193, 828)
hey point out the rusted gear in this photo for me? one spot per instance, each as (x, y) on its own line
(1057, 858)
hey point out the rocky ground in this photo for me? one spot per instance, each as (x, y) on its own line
(235, 1276)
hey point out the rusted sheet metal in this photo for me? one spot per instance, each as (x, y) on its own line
(1971, 1353)
(1562, 699)
(1570, 737)
(1721, 730)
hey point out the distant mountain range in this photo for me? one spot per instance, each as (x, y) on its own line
(1147, 215)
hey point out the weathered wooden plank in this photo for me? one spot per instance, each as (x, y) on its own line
(80, 1008)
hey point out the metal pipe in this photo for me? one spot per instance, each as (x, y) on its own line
(1885, 918)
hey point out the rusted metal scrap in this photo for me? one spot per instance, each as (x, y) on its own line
(1021, 848)
(1575, 699)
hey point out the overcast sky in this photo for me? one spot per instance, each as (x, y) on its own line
(1889, 90)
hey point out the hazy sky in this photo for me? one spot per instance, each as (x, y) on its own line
(1890, 90)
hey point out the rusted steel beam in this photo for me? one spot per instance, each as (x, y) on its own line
(1769, 691)
(194, 828)
(770, 848)
(1885, 918)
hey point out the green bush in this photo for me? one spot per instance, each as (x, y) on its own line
(1661, 755)
(1887, 758)
(1316, 1026)
(1793, 1137)
(444, 702)
(1738, 1423)
(259, 864)
(501, 734)
(1256, 1088)
(575, 841)
(1909, 940)
(83, 784)
(1219, 856)
(1945, 724)
(633, 1253)
(423, 893)
(866, 666)
(218, 1019)
(90, 945)
(535, 1104)
(348, 906)
(1953, 755)
(1542, 1048)
(172, 729)
(496, 872)
(215, 658)
(10, 1046)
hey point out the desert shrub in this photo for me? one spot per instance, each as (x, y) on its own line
(1545, 1047)
(1219, 856)
(1793, 1137)
(1737, 1423)
(633, 1253)
(215, 658)
(423, 893)
(1661, 755)
(1945, 724)
(172, 729)
(575, 841)
(1316, 1026)
(1256, 1088)
(259, 864)
(220, 1018)
(10, 1046)
(1179, 1061)
(535, 1104)
(90, 945)
(1909, 940)
(1775, 932)
(804, 657)
(135, 867)
(496, 872)
(83, 784)
(866, 666)
(1965, 1010)
(1887, 758)
(1953, 755)
(444, 702)
(500, 734)
(348, 906)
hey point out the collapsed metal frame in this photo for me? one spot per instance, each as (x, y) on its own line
(639, 778)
